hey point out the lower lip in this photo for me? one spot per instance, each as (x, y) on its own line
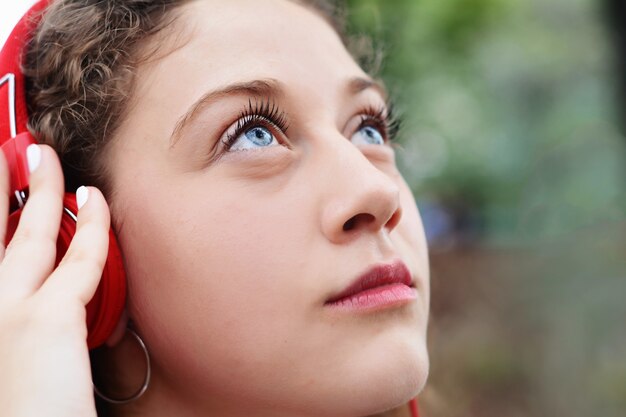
(385, 296)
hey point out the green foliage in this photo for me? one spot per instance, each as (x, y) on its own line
(510, 128)
(509, 109)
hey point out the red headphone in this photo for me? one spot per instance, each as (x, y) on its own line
(105, 308)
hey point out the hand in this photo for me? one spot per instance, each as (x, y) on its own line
(44, 360)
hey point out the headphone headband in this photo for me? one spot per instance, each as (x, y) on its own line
(14, 136)
(13, 112)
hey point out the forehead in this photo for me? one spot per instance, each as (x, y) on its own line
(269, 26)
(228, 41)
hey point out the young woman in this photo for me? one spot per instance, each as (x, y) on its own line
(275, 259)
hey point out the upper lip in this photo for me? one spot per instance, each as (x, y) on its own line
(383, 274)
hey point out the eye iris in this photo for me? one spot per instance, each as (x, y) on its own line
(372, 135)
(259, 136)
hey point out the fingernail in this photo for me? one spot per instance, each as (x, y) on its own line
(33, 156)
(81, 196)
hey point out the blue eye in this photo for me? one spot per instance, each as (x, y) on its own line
(255, 137)
(368, 135)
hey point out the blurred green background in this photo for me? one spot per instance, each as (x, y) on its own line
(514, 151)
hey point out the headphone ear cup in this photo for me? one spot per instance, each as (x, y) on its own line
(106, 307)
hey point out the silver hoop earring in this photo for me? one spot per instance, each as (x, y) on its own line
(146, 381)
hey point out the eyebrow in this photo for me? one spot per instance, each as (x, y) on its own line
(268, 87)
(357, 85)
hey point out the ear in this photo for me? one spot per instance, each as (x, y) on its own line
(119, 331)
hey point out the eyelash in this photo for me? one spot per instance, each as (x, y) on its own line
(382, 118)
(268, 114)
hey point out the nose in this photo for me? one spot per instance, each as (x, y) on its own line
(361, 198)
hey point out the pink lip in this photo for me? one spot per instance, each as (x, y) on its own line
(382, 286)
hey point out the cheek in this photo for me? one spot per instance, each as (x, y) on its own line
(411, 227)
(410, 239)
(220, 275)
(409, 233)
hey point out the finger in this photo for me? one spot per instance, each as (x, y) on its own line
(80, 270)
(29, 257)
(4, 201)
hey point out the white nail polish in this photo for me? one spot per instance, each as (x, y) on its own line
(33, 156)
(81, 196)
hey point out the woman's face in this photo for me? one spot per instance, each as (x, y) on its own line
(231, 254)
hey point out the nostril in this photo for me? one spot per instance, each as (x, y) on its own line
(394, 220)
(358, 220)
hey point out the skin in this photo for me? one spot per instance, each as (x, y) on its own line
(231, 303)
(229, 260)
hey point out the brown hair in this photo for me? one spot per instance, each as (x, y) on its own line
(80, 67)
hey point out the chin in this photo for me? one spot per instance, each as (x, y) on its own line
(376, 382)
(396, 381)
